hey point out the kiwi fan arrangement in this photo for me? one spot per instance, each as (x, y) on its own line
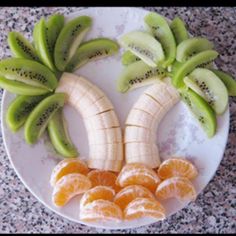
(34, 71)
(167, 50)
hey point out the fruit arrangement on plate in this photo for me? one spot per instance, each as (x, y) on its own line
(124, 177)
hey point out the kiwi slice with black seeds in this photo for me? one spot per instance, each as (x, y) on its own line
(209, 86)
(54, 26)
(59, 136)
(201, 111)
(21, 47)
(69, 40)
(228, 81)
(179, 30)
(192, 46)
(43, 46)
(128, 58)
(19, 109)
(20, 88)
(38, 119)
(162, 32)
(138, 74)
(187, 67)
(144, 46)
(92, 50)
(28, 72)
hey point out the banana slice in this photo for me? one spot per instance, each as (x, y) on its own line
(100, 106)
(112, 151)
(148, 104)
(139, 118)
(105, 136)
(140, 149)
(138, 134)
(100, 119)
(163, 94)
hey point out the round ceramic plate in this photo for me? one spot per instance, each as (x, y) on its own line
(178, 134)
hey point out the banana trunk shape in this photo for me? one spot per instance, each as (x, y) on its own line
(142, 123)
(100, 119)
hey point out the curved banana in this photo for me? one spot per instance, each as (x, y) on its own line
(142, 123)
(101, 122)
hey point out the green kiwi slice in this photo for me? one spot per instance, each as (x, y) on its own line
(162, 32)
(38, 119)
(69, 40)
(228, 80)
(144, 46)
(28, 72)
(19, 109)
(92, 50)
(42, 45)
(58, 133)
(191, 47)
(205, 83)
(21, 47)
(179, 30)
(201, 111)
(21, 88)
(138, 74)
(198, 60)
(128, 58)
(54, 26)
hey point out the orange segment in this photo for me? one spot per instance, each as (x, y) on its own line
(177, 187)
(104, 178)
(144, 207)
(129, 193)
(101, 210)
(98, 192)
(177, 167)
(137, 173)
(69, 186)
(68, 166)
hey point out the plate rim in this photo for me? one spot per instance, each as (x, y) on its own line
(5, 93)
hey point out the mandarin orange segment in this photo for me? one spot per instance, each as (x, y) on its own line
(144, 207)
(177, 167)
(104, 178)
(69, 186)
(98, 192)
(101, 210)
(176, 187)
(129, 193)
(140, 174)
(68, 166)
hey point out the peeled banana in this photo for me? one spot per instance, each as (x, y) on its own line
(100, 119)
(143, 120)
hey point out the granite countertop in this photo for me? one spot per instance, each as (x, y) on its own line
(214, 210)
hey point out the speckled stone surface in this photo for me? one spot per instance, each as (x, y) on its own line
(214, 211)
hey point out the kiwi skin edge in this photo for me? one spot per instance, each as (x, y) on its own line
(228, 80)
(58, 134)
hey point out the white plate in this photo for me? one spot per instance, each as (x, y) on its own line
(178, 134)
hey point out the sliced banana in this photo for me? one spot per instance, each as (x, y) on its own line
(112, 151)
(143, 121)
(101, 122)
(99, 106)
(139, 118)
(105, 136)
(140, 149)
(138, 134)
